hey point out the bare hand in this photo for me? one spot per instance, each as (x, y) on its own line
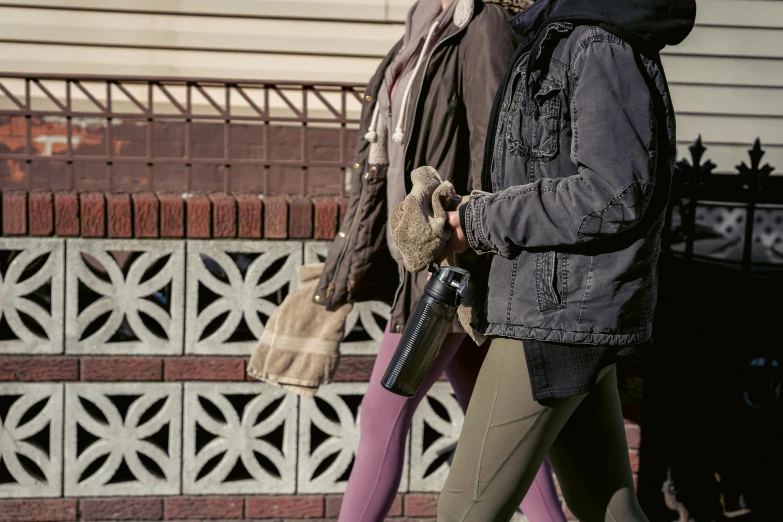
(458, 242)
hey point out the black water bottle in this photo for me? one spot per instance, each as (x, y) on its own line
(426, 329)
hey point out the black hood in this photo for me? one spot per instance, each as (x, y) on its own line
(651, 24)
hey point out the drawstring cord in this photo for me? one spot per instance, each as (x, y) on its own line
(399, 132)
(371, 135)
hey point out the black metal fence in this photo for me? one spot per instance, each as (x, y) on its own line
(712, 415)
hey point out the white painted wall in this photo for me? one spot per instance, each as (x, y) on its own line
(726, 79)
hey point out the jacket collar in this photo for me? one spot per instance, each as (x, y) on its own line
(527, 24)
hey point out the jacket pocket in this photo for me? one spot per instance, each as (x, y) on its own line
(551, 280)
(547, 106)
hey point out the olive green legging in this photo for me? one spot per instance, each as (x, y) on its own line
(507, 434)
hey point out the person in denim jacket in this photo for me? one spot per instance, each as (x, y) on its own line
(578, 163)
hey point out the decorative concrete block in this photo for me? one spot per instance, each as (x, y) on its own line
(441, 415)
(328, 438)
(31, 295)
(233, 288)
(124, 297)
(364, 328)
(31, 418)
(315, 251)
(122, 439)
(239, 438)
(365, 324)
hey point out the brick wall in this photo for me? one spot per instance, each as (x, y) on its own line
(172, 381)
(262, 145)
(169, 215)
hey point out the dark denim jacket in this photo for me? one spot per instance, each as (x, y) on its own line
(582, 158)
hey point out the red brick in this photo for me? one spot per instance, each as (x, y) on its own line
(326, 214)
(204, 508)
(308, 520)
(198, 216)
(335, 502)
(632, 366)
(66, 214)
(38, 368)
(38, 510)
(275, 217)
(250, 214)
(633, 455)
(93, 214)
(145, 215)
(633, 433)
(396, 508)
(204, 369)
(41, 213)
(118, 210)
(18, 126)
(172, 215)
(421, 505)
(354, 369)
(300, 218)
(15, 213)
(280, 506)
(128, 508)
(224, 215)
(122, 369)
(632, 411)
(343, 210)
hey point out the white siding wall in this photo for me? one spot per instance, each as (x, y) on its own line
(726, 79)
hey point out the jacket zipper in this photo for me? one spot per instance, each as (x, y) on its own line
(421, 84)
(351, 230)
(408, 139)
(407, 144)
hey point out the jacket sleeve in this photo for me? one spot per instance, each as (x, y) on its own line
(613, 126)
(485, 53)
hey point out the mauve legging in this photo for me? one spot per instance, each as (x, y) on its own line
(386, 419)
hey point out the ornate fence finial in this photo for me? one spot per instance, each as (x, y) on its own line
(688, 180)
(754, 176)
(695, 173)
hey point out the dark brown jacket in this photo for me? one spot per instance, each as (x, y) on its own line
(453, 96)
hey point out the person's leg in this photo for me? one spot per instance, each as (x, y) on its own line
(541, 503)
(590, 457)
(504, 440)
(385, 419)
(502, 444)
